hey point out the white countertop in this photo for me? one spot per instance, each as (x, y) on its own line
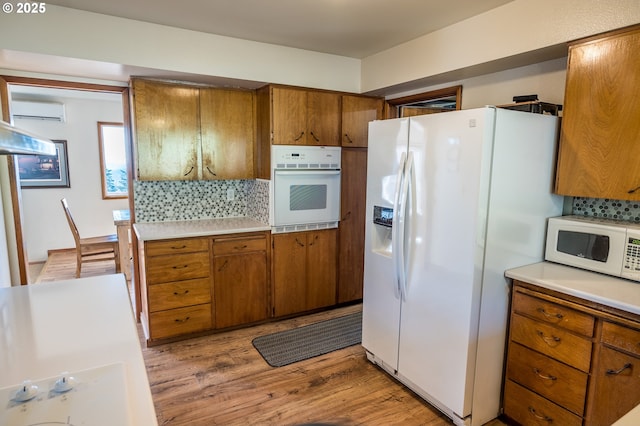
(71, 326)
(607, 290)
(600, 288)
(197, 228)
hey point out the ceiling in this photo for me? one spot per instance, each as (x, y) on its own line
(352, 28)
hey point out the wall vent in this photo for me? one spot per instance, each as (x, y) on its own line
(30, 110)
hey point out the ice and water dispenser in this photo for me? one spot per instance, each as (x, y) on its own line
(383, 219)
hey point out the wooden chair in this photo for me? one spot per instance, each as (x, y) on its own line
(93, 249)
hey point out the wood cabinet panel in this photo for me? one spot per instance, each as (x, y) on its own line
(227, 126)
(290, 273)
(164, 247)
(323, 118)
(554, 380)
(352, 224)
(236, 246)
(528, 408)
(321, 269)
(167, 130)
(600, 136)
(240, 288)
(623, 338)
(616, 387)
(554, 313)
(357, 112)
(289, 116)
(179, 321)
(552, 341)
(179, 294)
(178, 267)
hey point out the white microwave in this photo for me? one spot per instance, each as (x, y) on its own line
(601, 245)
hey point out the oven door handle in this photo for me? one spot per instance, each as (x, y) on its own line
(306, 172)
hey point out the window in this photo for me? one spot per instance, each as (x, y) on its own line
(113, 160)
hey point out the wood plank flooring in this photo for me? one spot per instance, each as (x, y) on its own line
(222, 380)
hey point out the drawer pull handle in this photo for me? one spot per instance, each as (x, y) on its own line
(544, 376)
(299, 243)
(178, 248)
(175, 293)
(190, 170)
(209, 170)
(299, 137)
(180, 266)
(611, 372)
(242, 247)
(549, 340)
(178, 320)
(315, 137)
(557, 316)
(539, 416)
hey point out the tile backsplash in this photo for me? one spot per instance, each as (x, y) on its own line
(605, 208)
(161, 201)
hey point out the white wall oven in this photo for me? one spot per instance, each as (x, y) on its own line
(305, 187)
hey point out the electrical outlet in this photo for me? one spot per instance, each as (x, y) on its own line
(231, 194)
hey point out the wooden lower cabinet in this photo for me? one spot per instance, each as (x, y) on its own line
(240, 279)
(569, 361)
(176, 287)
(304, 271)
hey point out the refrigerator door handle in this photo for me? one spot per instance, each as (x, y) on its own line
(395, 247)
(402, 257)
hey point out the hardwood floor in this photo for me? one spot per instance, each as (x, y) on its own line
(222, 380)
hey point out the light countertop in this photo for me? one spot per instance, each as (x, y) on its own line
(607, 290)
(197, 228)
(600, 288)
(72, 326)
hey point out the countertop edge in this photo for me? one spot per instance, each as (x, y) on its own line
(152, 231)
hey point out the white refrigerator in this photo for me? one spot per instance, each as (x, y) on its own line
(453, 199)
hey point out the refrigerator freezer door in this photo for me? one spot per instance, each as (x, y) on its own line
(381, 307)
(439, 316)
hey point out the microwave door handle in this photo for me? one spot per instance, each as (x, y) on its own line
(307, 172)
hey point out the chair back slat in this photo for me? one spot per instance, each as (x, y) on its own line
(72, 224)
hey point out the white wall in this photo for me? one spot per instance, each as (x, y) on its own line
(45, 225)
(545, 79)
(508, 35)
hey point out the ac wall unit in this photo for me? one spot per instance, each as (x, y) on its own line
(30, 110)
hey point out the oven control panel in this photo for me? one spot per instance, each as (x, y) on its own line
(305, 157)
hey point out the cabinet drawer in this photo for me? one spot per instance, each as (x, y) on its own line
(163, 269)
(239, 245)
(553, 313)
(528, 408)
(179, 294)
(621, 337)
(164, 247)
(552, 341)
(175, 322)
(554, 380)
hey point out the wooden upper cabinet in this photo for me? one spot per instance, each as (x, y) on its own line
(600, 138)
(227, 129)
(357, 112)
(184, 132)
(167, 126)
(304, 117)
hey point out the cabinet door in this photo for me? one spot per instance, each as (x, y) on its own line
(228, 133)
(289, 273)
(321, 268)
(289, 116)
(240, 288)
(352, 224)
(616, 388)
(323, 118)
(167, 131)
(600, 138)
(357, 112)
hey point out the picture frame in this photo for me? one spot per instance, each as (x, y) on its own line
(45, 171)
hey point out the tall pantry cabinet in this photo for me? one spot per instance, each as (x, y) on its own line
(357, 112)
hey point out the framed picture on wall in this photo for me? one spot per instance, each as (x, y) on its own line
(45, 171)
